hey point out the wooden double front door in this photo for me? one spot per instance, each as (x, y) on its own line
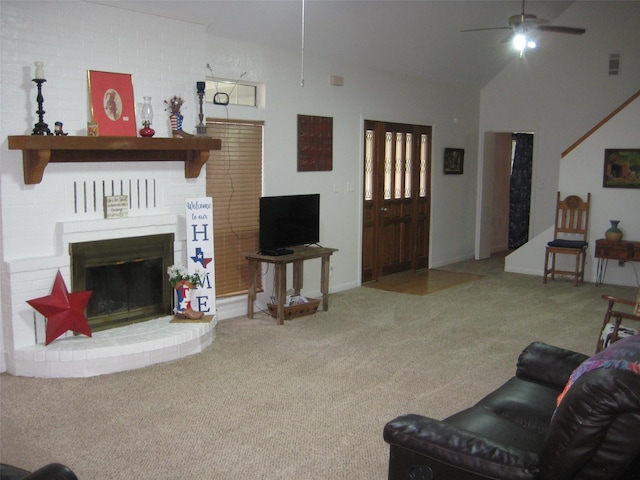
(396, 198)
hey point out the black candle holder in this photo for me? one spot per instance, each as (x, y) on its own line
(201, 128)
(40, 128)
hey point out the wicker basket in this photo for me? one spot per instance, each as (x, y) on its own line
(294, 311)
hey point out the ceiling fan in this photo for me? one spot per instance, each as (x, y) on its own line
(523, 24)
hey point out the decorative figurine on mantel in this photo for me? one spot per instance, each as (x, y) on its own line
(58, 130)
(40, 128)
(173, 106)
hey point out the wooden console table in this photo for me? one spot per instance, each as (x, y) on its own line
(622, 250)
(299, 255)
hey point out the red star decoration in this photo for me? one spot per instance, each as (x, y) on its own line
(64, 310)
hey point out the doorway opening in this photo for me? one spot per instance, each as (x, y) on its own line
(505, 207)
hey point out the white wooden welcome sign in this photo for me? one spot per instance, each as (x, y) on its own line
(199, 223)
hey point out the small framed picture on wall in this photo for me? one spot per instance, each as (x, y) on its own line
(453, 161)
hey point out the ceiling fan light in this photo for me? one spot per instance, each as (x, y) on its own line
(519, 42)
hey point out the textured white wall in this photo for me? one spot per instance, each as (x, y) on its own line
(71, 38)
(366, 94)
(166, 57)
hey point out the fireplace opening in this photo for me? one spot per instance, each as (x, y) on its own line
(127, 277)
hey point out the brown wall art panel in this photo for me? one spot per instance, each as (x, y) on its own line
(315, 143)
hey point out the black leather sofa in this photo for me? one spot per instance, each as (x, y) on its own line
(516, 433)
(52, 471)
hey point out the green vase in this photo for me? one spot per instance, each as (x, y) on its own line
(613, 233)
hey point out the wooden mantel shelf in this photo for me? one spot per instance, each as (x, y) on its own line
(38, 151)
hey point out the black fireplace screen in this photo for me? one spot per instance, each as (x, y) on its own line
(127, 277)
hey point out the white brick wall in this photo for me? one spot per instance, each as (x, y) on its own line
(165, 57)
(71, 38)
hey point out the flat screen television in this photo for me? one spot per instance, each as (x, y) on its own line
(287, 221)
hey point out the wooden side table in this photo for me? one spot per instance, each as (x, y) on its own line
(621, 250)
(297, 258)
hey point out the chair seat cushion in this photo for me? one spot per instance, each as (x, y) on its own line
(607, 331)
(568, 244)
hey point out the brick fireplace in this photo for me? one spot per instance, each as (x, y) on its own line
(126, 347)
(58, 207)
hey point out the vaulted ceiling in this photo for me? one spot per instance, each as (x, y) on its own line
(411, 38)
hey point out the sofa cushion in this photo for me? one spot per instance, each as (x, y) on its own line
(548, 365)
(516, 414)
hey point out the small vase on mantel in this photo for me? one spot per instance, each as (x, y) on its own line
(613, 233)
(176, 121)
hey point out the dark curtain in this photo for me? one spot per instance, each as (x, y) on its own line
(520, 190)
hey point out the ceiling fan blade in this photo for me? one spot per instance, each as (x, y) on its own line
(490, 28)
(558, 29)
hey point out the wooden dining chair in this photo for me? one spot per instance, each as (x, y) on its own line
(569, 237)
(613, 331)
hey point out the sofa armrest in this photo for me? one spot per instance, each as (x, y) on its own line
(594, 432)
(548, 365)
(450, 445)
(52, 471)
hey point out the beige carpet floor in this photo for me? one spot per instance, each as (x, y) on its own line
(307, 400)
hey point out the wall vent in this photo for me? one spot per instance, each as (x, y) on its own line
(614, 64)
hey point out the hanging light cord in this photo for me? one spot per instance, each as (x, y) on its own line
(302, 50)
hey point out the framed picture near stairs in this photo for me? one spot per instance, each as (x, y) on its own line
(621, 168)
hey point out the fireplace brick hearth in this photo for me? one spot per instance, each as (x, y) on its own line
(114, 350)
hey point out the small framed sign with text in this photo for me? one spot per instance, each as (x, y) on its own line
(116, 206)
